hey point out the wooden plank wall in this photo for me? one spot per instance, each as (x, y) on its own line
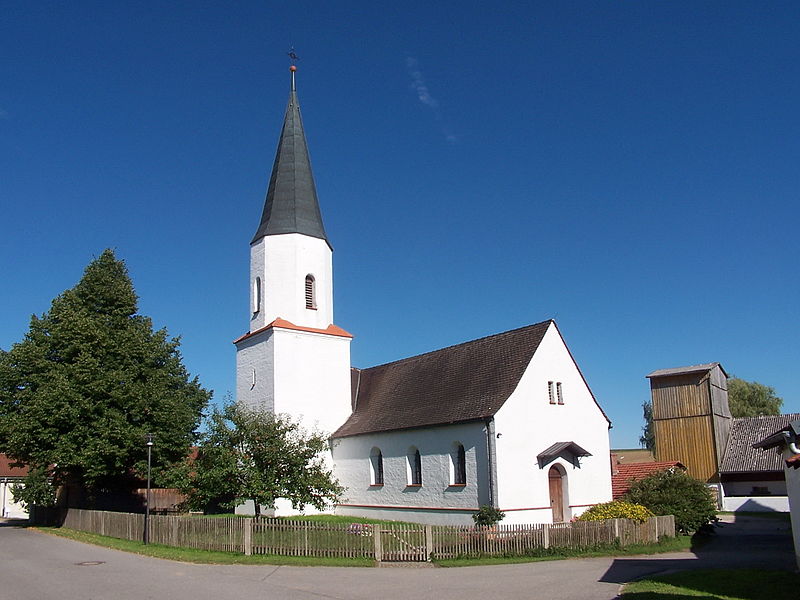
(690, 441)
(685, 424)
(679, 396)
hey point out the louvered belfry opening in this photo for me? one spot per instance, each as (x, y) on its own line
(310, 300)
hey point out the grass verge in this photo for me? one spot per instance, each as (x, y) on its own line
(716, 584)
(778, 516)
(203, 556)
(676, 544)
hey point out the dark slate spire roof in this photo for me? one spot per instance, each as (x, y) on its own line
(291, 205)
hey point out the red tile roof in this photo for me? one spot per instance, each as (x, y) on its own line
(624, 474)
(6, 470)
(284, 324)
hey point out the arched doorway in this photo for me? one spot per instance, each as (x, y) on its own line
(555, 477)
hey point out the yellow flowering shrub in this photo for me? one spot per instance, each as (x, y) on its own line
(617, 509)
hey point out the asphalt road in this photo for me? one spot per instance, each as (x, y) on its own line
(38, 566)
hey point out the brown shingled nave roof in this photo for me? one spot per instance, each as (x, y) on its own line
(465, 382)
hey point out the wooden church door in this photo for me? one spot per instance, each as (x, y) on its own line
(556, 494)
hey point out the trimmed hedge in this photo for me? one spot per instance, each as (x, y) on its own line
(617, 509)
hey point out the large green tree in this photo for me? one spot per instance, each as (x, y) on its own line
(752, 399)
(90, 379)
(674, 492)
(648, 437)
(255, 455)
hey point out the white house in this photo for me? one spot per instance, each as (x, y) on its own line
(507, 420)
(786, 444)
(9, 477)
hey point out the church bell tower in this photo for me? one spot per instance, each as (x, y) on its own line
(293, 359)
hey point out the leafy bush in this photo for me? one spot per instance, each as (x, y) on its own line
(488, 516)
(616, 509)
(673, 492)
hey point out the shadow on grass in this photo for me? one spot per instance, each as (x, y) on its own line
(743, 546)
(743, 584)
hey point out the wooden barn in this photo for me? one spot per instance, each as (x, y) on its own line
(692, 424)
(691, 418)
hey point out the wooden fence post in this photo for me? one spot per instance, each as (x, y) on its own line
(175, 536)
(376, 534)
(545, 535)
(428, 542)
(248, 537)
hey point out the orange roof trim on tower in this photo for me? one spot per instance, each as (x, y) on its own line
(284, 324)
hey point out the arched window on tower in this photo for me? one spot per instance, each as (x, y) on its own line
(311, 293)
(257, 295)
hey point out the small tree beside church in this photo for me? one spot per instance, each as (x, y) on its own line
(90, 379)
(248, 454)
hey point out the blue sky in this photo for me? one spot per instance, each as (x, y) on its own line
(627, 168)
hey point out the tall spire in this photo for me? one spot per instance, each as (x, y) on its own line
(291, 205)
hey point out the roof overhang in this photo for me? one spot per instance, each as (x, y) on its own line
(784, 437)
(569, 451)
(788, 437)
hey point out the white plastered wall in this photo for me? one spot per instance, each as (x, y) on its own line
(527, 424)
(436, 501)
(312, 378)
(283, 262)
(299, 373)
(793, 490)
(255, 381)
(8, 508)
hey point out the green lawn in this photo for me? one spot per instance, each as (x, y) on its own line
(717, 584)
(676, 544)
(780, 516)
(203, 556)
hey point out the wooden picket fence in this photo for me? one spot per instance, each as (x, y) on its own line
(396, 542)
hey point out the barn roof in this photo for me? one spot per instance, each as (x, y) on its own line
(465, 382)
(741, 457)
(686, 370)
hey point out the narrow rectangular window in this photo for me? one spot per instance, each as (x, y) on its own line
(558, 391)
(550, 392)
(415, 468)
(460, 466)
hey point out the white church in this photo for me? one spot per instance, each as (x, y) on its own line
(506, 420)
